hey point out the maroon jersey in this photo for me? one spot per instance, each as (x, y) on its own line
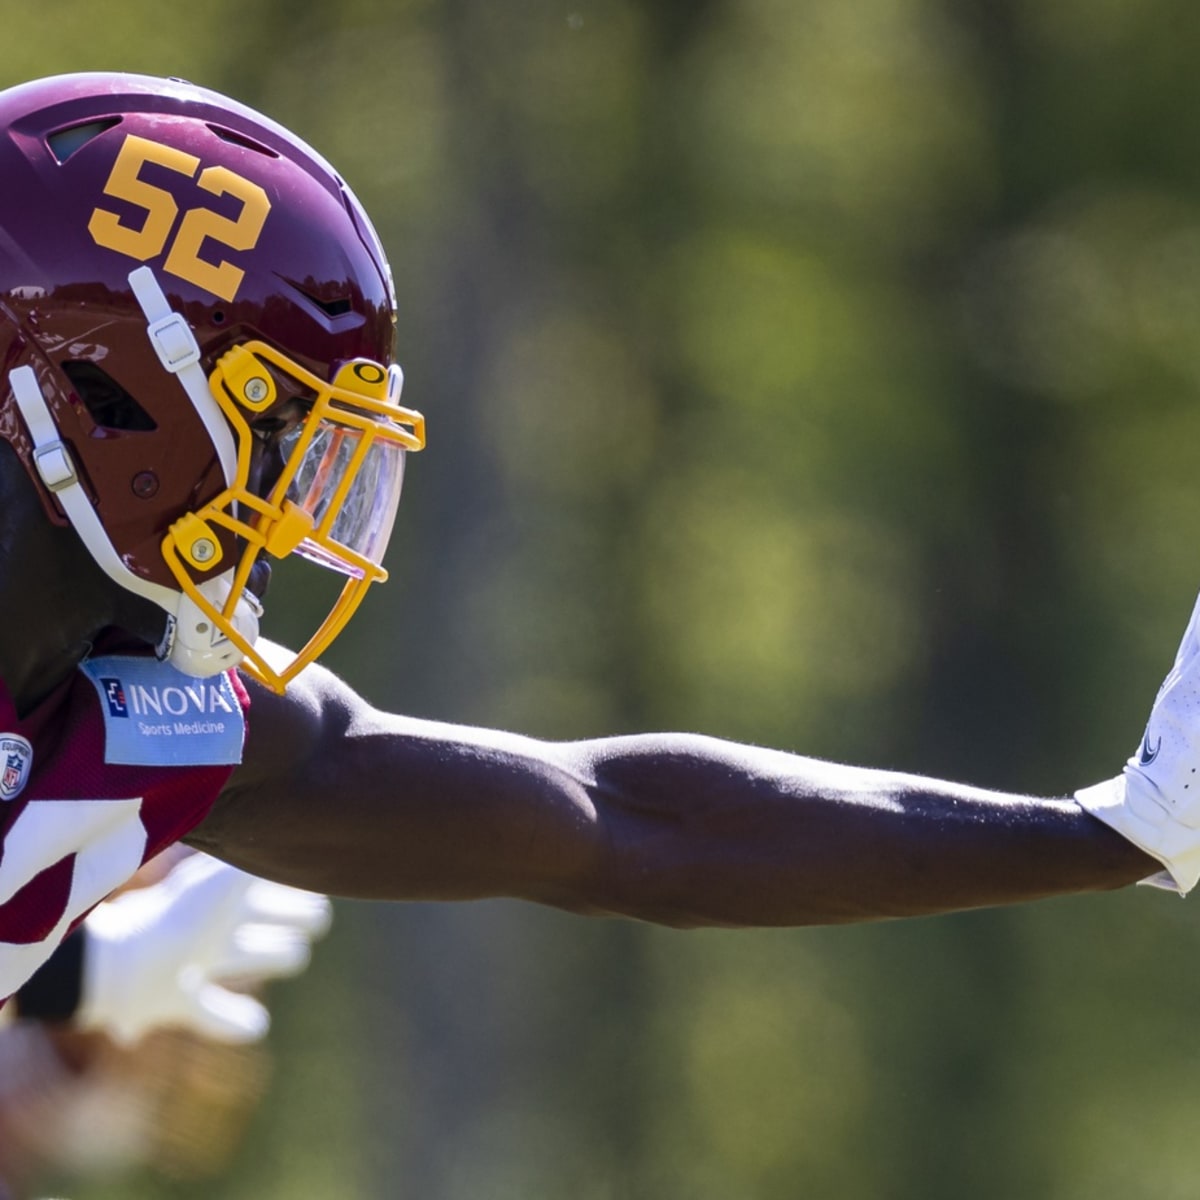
(123, 759)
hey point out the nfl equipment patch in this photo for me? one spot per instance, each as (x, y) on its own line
(16, 757)
(155, 715)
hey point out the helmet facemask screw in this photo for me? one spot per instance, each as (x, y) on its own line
(256, 390)
(145, 485)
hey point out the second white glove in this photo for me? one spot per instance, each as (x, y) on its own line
(160, 955)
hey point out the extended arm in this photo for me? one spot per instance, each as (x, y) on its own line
(674, 828)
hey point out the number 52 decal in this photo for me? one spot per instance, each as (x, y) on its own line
(158, 232)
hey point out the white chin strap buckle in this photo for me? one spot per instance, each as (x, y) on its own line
(195, 645)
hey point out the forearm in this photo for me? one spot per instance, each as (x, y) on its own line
(705, 832)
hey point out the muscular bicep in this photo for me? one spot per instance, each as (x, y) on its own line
(339, 797)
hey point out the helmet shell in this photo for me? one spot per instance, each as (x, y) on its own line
(309, 277)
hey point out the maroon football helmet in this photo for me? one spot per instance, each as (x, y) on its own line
(196, 324)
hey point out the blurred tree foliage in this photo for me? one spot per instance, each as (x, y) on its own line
(819, 374)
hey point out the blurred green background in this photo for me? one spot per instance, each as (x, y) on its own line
(814, 373)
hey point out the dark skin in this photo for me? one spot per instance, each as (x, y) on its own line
(672, 828)
(678, 829)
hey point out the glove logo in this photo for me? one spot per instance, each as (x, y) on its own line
(1147, 755)
(16, 754)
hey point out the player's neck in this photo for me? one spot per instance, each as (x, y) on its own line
(44, 639)
(54, 599)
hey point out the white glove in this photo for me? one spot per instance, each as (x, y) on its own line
(154, 957)
(1155, 803)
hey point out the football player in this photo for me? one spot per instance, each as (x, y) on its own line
(196, 340)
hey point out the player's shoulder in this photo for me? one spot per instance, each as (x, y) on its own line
(314, 713)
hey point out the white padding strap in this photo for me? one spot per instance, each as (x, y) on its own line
(57, 469)
(177, 350)
(174, 342)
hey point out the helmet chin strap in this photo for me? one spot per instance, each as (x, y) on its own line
(178, 351)
(191, 643)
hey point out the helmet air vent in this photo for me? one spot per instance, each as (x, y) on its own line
(332, 308)
(330, 311)
(108, 404)
(240, 139)
(65, 142)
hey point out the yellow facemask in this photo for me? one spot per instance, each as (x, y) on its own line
(333, 503)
